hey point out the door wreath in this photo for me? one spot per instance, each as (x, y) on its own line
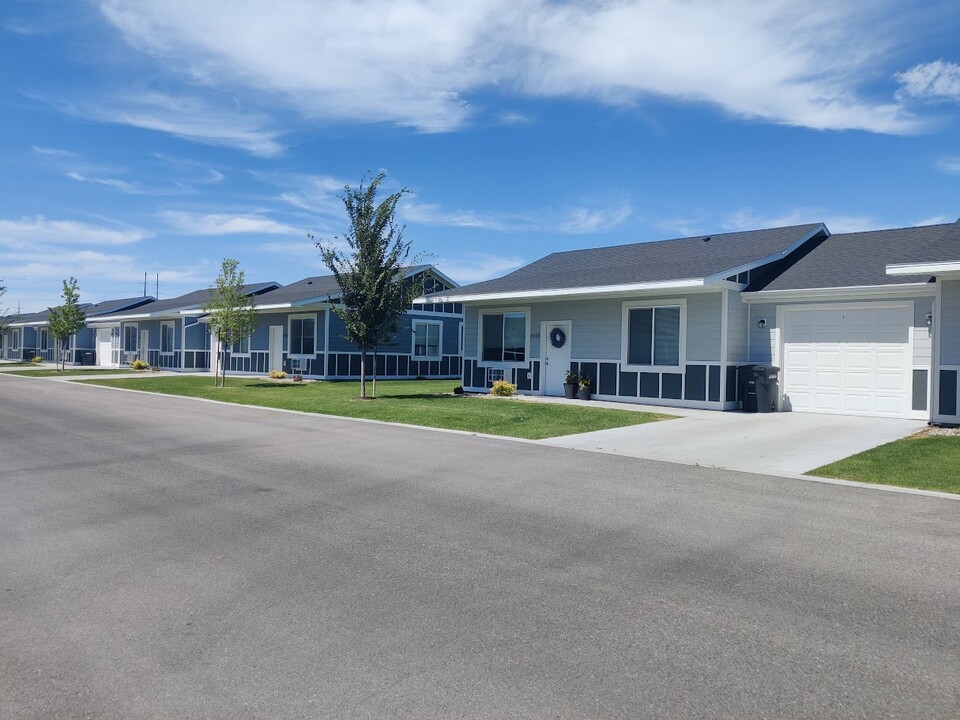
(557, 338)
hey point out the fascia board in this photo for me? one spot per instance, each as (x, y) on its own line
(928, 268)
(753, 264)
(859, 291)
(564, 293)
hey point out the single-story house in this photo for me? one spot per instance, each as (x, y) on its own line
(857, 323)
(28, 336)
(297, 331)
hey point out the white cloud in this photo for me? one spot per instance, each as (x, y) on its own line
(122, 185)
(937, 80)
(949, 165)
(747, 219)
(37, 231)
(416, 63)
(577, 220)
(187, 117)
(474, 267)
(225, 224)
(52, 151)
(936, 220)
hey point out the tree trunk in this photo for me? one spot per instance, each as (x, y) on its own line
(363, 374)
(216, 365)
(375, 372)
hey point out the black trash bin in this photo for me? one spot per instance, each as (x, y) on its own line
(758, 387)
(87, 358)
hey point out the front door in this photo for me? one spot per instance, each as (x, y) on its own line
(276, 347)
(145, 345)
(555, 343)
(105, 347)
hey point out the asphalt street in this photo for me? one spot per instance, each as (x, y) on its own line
(168, 558)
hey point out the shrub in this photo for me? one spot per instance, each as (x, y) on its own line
(139, 364)
(277, 374)
(586, 381)
(298, 378)
(36, 360)
(503, 388)
(571, 379)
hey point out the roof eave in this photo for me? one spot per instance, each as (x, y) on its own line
(853, 291)
(926, 268)
(563, 293)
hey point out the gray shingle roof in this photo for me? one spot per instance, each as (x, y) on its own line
(184, 302)
(664, 260)
(860, 259)
(91, 310)
(318, 286)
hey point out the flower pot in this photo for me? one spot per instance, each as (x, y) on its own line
(569, 391)
(585, 393)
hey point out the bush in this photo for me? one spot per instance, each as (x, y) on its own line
(277, 374)
(586, 381)
(298, 378)
(503, 388)
(571, 379)
(36, 360)
(139, 364)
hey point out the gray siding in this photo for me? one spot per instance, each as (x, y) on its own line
(922, 335)
(704, 326)
(761, 339)
(595, 326)
(471, 319)
(949, 329)
(736, 328)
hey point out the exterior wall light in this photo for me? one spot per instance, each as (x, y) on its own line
(929, 320)
(762, 323)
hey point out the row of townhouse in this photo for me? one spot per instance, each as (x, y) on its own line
(296, 331)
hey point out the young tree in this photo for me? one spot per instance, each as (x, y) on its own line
(67, 319)
(4, 318)
(232, 314)
(374, 293)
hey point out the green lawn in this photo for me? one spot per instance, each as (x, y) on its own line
(416, 402)
(928, 462)
(47, 372)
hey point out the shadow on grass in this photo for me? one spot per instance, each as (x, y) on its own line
(272, 386)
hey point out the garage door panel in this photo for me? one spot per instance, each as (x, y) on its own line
(848, 360)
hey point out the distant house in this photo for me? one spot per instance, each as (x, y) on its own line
(296, 331)
(29, 336)
(858, 323)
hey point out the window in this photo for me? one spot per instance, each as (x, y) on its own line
(303, 330)
(241, 347)
(504, 337)
(426, 339)
(130, 338)
(166, 337)
(652, 335)
(44, 339)
(15, 340)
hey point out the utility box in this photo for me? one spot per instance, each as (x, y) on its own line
(759, 387)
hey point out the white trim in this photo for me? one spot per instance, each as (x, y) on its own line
(326, 341)
(241, 354)
(933, 268)
(935, 415)
(525, 311)
(724, 342)
(859, 292)
(753, 264)
(413, 340)
(301, 316)
(625, 334)
(564, 293)
(173, 338)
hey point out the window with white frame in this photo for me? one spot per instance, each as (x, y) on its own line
(44, 339)
(167, 330)
(15, 340)
(303, 333)
(130, 337)
(504, 337)
(426, 339)
(241, 347)
(652, 334)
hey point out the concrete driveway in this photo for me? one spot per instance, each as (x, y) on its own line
(775, 443)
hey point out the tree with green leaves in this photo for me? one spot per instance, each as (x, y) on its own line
(232, 313)
(370, 272)
(67, 319)
(4, 318)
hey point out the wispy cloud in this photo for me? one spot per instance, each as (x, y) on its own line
(37, 231)
(577, 220)
(121, 185)
(188, 117)
(937, 80)
(474, 267)
(419, 63)
(57, 152)
(949, 165)
(225, 224)
(747, 219)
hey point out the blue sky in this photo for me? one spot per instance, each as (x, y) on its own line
(160, 136)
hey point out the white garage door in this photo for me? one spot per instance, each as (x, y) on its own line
(853, 361)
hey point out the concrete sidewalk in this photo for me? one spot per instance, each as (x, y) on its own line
(775, 443)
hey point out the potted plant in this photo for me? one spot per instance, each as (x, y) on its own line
(585, 384)
(570, 384)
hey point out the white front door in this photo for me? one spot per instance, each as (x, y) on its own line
(555, 345)
(276, 347)
(145, 345)
(104, 347)
(852, 360)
